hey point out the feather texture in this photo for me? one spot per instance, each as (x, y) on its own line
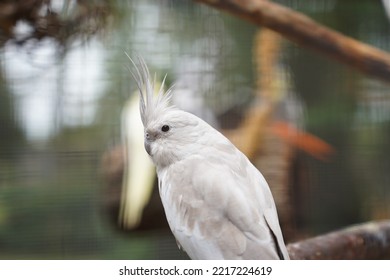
(218, 205)
(151, 105)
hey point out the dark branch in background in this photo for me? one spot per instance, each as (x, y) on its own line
(304, 31)
(366, 241)
(78, 19)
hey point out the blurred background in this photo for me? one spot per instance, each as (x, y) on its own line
(321, 130)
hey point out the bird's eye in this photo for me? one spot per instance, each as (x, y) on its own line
(165, 128)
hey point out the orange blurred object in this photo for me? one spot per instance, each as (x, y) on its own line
(309, 143)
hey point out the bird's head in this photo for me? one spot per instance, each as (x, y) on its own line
(170, 134)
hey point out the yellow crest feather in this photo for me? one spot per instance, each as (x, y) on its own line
(151, 106)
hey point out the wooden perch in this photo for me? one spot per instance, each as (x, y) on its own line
(366, 241)
(304, 31)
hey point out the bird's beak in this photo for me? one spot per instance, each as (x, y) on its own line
(150, 136)
(147, 146)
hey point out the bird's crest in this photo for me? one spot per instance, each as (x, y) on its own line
(153, 103)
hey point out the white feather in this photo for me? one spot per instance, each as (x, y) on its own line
(139, 172)
(218, 205)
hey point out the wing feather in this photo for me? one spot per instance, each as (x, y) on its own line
(211, 216)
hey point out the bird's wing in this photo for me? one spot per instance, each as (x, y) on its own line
(214, 213)
(253, 183)
(271, 216)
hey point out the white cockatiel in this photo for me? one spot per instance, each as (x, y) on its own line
(218, 205)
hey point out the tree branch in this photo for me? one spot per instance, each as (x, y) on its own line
(82, 20)
(304, 31)
(365, 241)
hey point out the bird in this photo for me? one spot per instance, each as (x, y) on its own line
(138, 175)
(217, 203)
